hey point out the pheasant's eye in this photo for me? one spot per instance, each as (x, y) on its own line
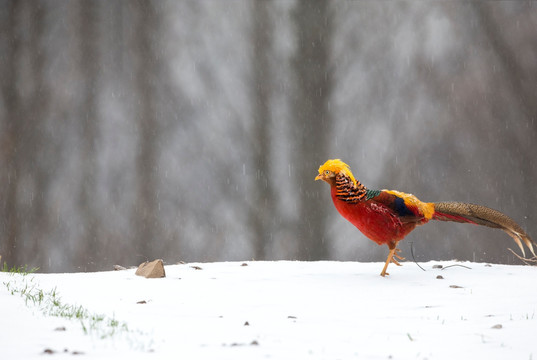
(327, 172)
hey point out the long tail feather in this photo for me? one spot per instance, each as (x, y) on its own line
(482, 215)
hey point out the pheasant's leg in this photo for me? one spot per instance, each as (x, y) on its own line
(393, 249)
(388, 260)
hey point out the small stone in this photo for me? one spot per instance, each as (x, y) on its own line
(119, 267)
(141, 302)
(244, 264)
(455, 286)
(291, 317)
(48, 351)
(440, 277)
(254, 343)
(246, 323)
(497, 326)
(437, 266)
(195, 267)
(60, 328)
(153, 269)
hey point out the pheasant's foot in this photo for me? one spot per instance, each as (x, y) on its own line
(396, 255)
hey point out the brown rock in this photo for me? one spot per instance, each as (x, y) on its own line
(153, 269)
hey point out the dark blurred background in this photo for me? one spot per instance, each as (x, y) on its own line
(193, 130)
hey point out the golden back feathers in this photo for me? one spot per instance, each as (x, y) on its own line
(411, 201)
(337, 167)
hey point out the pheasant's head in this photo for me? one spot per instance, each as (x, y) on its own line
(330, 169)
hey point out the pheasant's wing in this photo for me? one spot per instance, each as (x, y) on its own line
(406, 206)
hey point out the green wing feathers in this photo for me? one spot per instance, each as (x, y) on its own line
(482, 215)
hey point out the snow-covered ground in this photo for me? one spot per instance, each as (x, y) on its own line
(279, 310)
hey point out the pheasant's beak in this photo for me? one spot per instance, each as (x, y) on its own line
(319, 177)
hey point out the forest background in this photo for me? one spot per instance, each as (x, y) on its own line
(193, 130)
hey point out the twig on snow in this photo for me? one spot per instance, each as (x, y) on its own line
(528, 261)
(464, 266)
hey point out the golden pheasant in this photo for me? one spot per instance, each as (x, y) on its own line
(387, 216)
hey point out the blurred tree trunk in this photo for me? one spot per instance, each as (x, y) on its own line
(24, 139)
(146, 70)
(12, 134)
(311, 116)
(262, 209)
(515, 75)
(88, 254)
(39, 143)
